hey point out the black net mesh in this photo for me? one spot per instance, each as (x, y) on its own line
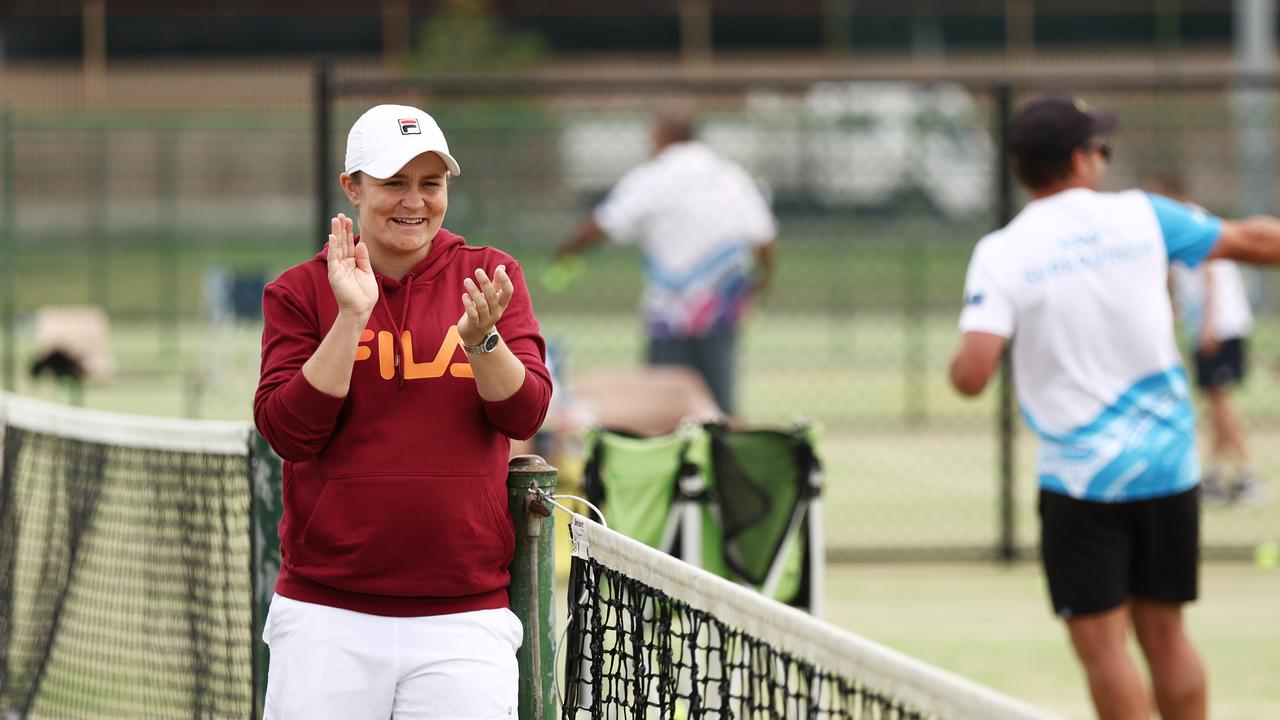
(124, 581)
(633, 652)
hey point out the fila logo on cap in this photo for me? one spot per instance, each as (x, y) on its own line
(409, 126)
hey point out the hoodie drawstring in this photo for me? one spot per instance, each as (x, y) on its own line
(398, 327)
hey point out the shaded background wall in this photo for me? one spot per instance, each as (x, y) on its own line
(720, 28)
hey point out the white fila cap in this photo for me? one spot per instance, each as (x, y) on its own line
(387, 137)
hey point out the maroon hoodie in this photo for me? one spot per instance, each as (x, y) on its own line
(395, 498)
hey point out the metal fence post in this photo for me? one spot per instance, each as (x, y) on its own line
(167, 145)
(99, 243)
(8, 247)
(1008, 548)
(533, 584)
(265, 487)
(915, 345)
(324, 159)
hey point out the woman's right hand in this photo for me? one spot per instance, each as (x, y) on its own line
(350, 274)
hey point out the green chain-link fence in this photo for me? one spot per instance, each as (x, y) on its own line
(881, 188)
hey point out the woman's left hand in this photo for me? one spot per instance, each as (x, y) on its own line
(483, 303)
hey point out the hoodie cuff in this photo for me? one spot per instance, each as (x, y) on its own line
(521, 415)
(308, 406)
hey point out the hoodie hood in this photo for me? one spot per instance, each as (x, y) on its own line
(443, 247)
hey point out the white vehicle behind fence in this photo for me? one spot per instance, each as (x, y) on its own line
(840, 145)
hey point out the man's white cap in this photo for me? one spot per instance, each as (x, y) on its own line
(387, 137)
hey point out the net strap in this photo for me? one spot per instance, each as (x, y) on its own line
(923, 686)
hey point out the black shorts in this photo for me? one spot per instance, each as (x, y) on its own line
(1098, 555)
(1224, 367)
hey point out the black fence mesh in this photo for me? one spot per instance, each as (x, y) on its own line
(881, 189)
(170, 206)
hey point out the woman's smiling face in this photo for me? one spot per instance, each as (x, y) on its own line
(400, 215)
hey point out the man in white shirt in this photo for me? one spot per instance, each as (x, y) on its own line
(1213, 306)
(1078, 282)
(707, 237)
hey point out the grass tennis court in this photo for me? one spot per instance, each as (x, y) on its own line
(992, 624)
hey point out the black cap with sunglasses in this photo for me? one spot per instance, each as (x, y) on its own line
(1053, 125)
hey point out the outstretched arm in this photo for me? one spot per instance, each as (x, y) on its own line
(1254, 240)
(588, 235)
(976, 361)
(764, 267)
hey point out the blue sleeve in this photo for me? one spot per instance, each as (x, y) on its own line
(1189, 232)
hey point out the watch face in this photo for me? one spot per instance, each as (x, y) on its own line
(490, 342)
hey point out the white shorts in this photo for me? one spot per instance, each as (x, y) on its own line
(332, 664)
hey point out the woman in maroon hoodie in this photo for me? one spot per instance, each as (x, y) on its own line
(396, 366)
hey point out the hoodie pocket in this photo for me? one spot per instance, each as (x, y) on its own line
(409, 534)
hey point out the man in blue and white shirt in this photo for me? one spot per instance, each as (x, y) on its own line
(1078, 282)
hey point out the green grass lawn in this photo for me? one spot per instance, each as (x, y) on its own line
(992, 624)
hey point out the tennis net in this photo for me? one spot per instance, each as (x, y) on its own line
(652, 637)
(124, 565)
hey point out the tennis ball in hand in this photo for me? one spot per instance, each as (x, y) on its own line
(1267, 555)
(560, 275)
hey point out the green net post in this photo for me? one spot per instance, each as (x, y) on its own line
(533, 583)
(265, 474)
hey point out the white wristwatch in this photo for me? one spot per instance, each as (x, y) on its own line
(488, 344)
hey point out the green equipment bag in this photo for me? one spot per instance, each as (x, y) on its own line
(763, 480)
(753, 485)
(637, 478)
